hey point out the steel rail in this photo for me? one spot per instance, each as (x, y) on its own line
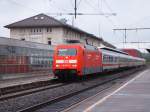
(25, 91)
(60, 98)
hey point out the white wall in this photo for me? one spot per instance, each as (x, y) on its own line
(39, 35)
(69, 34)
(56, 35)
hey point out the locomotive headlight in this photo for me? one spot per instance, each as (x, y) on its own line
(72, 61)
(57, 65)
(74, 65)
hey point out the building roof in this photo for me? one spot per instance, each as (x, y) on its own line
(20, 43)
(43, 20)
(40, 20)
(108, 44)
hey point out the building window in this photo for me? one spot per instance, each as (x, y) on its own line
(66, 32)
(49, 29)
(23, 39)
(49, 41)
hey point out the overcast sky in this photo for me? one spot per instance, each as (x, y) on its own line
(130, 14)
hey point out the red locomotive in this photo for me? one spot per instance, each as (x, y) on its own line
(78, 60)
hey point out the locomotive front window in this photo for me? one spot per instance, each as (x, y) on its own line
(67, 52)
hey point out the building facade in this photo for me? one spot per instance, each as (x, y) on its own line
(45, 29)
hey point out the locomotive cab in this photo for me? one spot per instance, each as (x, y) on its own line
(66, 61)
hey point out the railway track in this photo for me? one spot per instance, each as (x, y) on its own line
(87, 87)
(25, 89)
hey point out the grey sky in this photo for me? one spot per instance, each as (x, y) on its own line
(130, 14)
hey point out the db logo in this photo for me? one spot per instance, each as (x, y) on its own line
(66, 61)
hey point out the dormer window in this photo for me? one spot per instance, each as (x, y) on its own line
(35, 17)
(42, 17)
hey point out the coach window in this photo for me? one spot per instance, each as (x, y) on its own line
(104, 58)
(115, 59)
(2, 49)
(111, 59)
(107, 58)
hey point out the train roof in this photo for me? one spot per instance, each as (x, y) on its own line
(20, 43)
(86, 46)
(148, 50)
(114, 50)
(70, 44)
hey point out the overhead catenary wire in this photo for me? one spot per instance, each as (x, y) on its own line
(53, 2)
(81, 14)
(78, 4)
(125, 33)
(100, 11)
(111, 21)
(22, 5)
(72, 4)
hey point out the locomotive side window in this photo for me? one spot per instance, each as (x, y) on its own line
(67, 52)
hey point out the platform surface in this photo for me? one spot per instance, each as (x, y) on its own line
(19, 79)
(133, 96)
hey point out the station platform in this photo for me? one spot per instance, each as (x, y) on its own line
(132, 96)
(9, 80)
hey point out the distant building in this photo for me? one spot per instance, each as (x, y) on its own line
(132, 52)
(45, 29)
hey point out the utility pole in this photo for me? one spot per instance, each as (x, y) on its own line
(75, 9)
(129, 29)
(75, 13)
(125, 32)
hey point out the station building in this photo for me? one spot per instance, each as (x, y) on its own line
(48, 30)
